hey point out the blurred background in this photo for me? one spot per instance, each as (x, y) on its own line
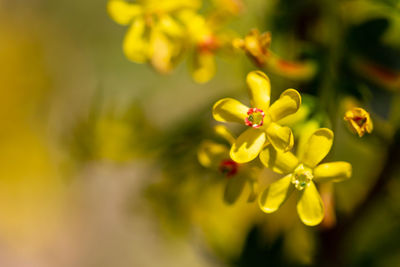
(98, 155)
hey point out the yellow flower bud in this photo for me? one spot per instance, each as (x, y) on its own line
(359, 121)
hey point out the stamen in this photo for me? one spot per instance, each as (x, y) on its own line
(208, 44)
(255, 118)
(302, 177)
(360, 120)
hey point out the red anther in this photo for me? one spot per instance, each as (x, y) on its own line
(255, 118)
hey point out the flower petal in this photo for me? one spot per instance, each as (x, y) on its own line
(309, 206)
(248, 145)
(259, 89)
(253, 185)
(162, 51)
(370, 125)
(280, 137)
(123, 12)
(317, 147)
(210, 154)
(278, 161)
(229, 110)
(203, 67)
(135, 45)
(223, 132)
(275, 194)
(332, 172)
(287, 104)
(170, 27)
(171, 5)
(234, 188)
(303, 135)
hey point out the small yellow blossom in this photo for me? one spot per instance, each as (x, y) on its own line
(257, 47)
(359, 121)
(261, 118)
(208, 37)
(301, 173)
(205, 42)
(154, 36)
(216, 156)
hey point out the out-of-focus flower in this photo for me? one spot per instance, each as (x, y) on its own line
(205, 42)
(162, 31)
(155, 35)
(208, 37)
(257, 47)
(261, 118)
(301, 173)
(359, 121)
(216, 156)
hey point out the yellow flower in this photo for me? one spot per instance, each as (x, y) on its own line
(359, 121)
(301, 173)
(216, 156)
(205, 42)
(257, 47)
(154, 35)
(262, 119)
(207, 38)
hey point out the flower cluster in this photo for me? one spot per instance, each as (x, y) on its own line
(161, 32)
(267, 138)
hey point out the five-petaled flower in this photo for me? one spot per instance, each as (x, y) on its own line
(300, 173)
(206, 38)
(359, 121)
(262, 119)
(216, 156)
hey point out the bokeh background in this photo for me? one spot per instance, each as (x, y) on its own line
(98, 162)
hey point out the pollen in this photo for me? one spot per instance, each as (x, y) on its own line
(255, 117)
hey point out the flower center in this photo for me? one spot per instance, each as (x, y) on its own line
(208, 44)
(228, 167)
(302, 177)
(255, 117)
(360, 120)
